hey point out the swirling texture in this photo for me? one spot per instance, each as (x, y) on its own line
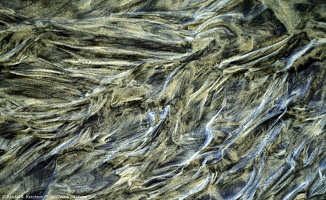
(183, 99)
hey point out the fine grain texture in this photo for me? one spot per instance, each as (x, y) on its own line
(163, 99)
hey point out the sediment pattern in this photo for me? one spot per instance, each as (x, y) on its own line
(215, 99)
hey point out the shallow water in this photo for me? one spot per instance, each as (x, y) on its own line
(162, 99)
